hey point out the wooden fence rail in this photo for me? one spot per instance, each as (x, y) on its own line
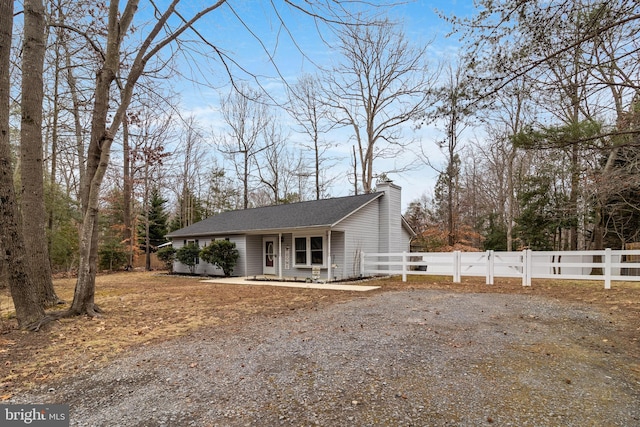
(607, 265)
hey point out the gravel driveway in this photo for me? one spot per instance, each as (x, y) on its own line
(414, 358)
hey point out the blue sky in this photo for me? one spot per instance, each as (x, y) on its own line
(420, 25)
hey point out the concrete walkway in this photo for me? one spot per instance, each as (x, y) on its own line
(271, 282)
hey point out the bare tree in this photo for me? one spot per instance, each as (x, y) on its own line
(507, 40)
(191, 158)
(149, 133)
(311, 113)
(273, 169)
(381, 85)
(222, 193)
(511, 113)
(103, 131)
(452, 114)
(31, 150)
(246, 117)
(29, 310)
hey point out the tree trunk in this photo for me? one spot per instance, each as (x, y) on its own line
(127, 191)
(511, 200)
(97, 163)
(573, 198)
(147, 240)
(73, 88)
(23, 292)
(355, 171)
(317, 167)
(99, 151)
(34, 214)
(53, 187)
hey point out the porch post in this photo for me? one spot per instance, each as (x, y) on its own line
(329, 255)
(280, 255)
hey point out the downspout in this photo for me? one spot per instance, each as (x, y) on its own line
(329, 255)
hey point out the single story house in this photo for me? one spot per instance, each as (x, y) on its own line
(304, 239)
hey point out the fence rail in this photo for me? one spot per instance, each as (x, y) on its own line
(607, 265)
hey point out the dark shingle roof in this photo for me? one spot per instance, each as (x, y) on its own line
(314, 213)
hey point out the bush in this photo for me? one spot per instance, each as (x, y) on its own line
(188, 255)
(167, 255)
(221, 253)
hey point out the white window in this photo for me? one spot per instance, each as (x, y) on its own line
(309, 250)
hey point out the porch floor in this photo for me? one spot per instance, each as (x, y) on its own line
(290, 284)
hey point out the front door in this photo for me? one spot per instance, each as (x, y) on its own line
(269, 255)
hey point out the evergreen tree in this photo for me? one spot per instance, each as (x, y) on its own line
(113, 247)
(158, 219)
(495, 234)
(541, 219)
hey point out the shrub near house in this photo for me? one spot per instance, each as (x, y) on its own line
(188, 255)
(221, 253)
(167, 255)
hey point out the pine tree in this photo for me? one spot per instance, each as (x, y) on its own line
(158, 218)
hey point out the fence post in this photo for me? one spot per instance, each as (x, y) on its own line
(529, 266)
(490, 267)
(457, 267)
(524, 267)
(607, 268)
(362, 264)
(404, 266)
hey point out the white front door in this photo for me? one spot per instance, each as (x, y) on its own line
(269, 255)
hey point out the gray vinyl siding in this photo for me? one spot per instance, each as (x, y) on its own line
(337, 256)
(360, 234)
(254, 255)
(241, 246)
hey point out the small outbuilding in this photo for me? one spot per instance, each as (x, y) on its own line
(306, 239)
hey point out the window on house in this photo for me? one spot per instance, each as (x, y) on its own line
(316, 250)
(301, 250)
(309, 250)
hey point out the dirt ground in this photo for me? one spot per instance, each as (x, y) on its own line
(143, 308)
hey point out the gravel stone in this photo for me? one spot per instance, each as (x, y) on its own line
(412, 358)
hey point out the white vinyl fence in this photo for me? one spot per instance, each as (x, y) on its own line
(606, 265)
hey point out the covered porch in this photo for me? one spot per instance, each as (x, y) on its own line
(315, 254)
